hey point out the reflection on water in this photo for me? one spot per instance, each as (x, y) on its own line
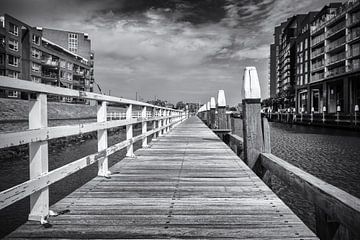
(332, 155)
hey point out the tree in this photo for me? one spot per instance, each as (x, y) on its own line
(180, 105)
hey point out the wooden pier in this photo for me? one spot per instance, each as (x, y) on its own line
(186, 184)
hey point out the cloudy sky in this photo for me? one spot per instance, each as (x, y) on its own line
(172, 49)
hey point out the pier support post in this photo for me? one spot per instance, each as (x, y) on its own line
(252, 131)
(212, 112)
(129, 132)
(221, 109)
(208, 113)
(103, 168)
(38, 153)
(144, 127)
(160, 122)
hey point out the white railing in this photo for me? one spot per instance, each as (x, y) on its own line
(39, 133)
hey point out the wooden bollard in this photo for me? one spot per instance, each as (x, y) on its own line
(221, 109)
(252, 131)
(212, 112)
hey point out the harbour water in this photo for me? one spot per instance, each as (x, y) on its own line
(332, 155)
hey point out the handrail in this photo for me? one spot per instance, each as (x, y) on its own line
(38, 135)
(29, 86)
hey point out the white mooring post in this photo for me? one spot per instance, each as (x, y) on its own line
(129, 132)
(38, 151)
(221, 109)
(144, 127)
(252, 130)
(103, 168)
(208, 113)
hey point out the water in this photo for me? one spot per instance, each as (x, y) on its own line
(332, 155)
(14, 169)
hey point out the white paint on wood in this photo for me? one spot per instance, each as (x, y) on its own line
(144, 127)
(251, 84)
(38, 157)
(221, 99)
(103, 165)
(212, 103)
(129, 132)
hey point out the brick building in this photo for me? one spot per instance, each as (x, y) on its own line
(54, 57)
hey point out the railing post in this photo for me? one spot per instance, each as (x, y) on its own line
(212, 112)
(154, 123)
(144, 127)
(221, 109)
(252, 131)
(38, 151)
(102, 136)
(160, 122)
(129, 132)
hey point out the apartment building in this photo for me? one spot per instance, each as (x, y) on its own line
(327, 62)
(303, 59)
(287, 60)
(35, 54)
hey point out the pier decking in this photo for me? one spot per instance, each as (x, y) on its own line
(187, 184)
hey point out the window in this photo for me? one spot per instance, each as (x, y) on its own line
(306, 55)
(62, 63)
(73, 42)
(13, 29)
(69, 76)
(2, 41)
(1, 59)
(306, 67)
(306, 79)
(301, 46)
(13, 74)
(35, 53)
(36, 79)
(69, 66)
(13, 94)
(36, 39)
(2, 21)
(13, 61)
(306, 43)
(36, 67)
(13, 45)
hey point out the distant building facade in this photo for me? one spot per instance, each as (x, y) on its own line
(53, 57)
(327, 62)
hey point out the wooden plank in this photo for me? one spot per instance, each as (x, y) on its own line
(337, 203)
(187, 184)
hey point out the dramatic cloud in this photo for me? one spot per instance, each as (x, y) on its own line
(171, 49)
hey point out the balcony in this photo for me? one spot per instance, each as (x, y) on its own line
(353, 20)
(50, 62)
(354, 52)
(336, 29)
(79, 73)
(317, 66)
(336, 58)
(50, 76)
(317, 53)
(336, 71)
(352, 67)
(336, 44)
(317, 77)
(354, 35)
